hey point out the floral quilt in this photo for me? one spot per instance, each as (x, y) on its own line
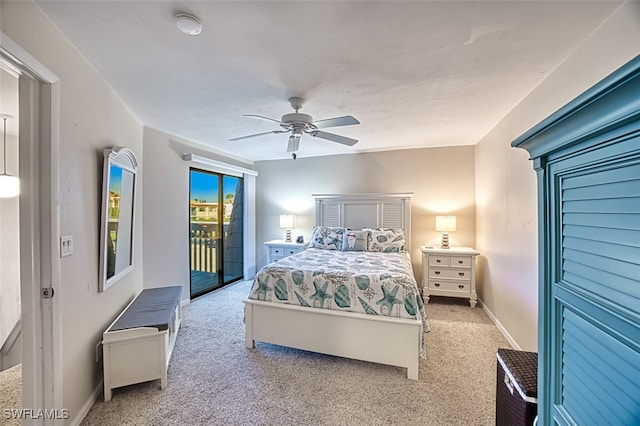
(365, 282)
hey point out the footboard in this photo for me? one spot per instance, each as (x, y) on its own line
(345, 334)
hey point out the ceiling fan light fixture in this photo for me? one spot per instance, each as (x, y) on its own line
(188, 24)
(298, 124)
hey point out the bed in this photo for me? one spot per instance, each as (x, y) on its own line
(354, 303)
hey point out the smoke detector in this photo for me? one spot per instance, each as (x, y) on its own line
(188, 24)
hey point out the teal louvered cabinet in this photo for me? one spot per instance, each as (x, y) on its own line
(587, 159)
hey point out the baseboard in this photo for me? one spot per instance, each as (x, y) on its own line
(184, 303)
(498, 324)
(97, 391)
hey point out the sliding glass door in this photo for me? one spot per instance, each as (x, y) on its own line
(215, 230)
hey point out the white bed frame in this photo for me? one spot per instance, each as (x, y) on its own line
(390, 341)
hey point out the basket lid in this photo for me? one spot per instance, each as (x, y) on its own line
(522, 366)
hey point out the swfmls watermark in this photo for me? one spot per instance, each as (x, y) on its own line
(36, 414)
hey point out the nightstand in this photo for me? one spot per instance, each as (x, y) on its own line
(449, 272)
(279, 249)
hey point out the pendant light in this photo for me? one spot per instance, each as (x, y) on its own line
(9, 185)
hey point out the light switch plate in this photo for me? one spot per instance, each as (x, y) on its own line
(66, 246)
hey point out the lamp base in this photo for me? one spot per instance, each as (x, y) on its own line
(287, 236)
(445, 240)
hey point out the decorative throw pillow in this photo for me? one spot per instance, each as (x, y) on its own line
(327, 238)
(355, 240)
(387, 240)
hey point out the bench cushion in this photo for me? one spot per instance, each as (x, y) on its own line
(153, 307)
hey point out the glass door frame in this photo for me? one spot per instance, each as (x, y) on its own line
(219, 240)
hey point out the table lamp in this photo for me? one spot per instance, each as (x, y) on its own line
(445, 224)
(287, 221)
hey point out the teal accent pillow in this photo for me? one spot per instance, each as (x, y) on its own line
(387, 240)
(327, 238)
(355, 240)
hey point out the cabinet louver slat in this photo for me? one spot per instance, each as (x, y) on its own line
(607, 235)
(609, 220)
(611, 264)
(613, 205)
(625, 293)
(606, 250)
(626, 189)
(595, 364)
(608, 176)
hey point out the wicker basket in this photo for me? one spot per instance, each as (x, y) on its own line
(516, 387)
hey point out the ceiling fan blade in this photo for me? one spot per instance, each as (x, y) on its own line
(347, 120)
(261, 117)
(334, 138)
(257, 134)
(294, 143)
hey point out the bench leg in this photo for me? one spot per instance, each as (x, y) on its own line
(106, 372)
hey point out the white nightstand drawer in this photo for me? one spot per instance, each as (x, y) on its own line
(279, 249)
(457, 286)
(438, 260)
(276, 252)
(460, 262)
(450, 274)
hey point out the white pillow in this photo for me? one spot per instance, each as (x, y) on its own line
(355, 240)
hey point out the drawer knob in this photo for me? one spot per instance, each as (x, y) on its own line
(460, 262)
(438, 261)
(460, 286)
(437, 272)
(461, 274)
(437, 284)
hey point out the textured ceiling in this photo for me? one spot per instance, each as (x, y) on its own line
(416, 74)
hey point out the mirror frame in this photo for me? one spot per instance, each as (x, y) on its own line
(124, 159)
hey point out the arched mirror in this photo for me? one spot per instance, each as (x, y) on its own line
(118, 207)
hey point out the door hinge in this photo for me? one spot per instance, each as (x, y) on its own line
(47, 292)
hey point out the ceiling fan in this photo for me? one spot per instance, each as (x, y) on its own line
(298, 124)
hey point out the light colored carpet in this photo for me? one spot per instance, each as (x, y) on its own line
(215, 380)
(10, 394)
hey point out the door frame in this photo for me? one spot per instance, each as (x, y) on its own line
(39, 147)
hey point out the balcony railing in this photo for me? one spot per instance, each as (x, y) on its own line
(203, 254)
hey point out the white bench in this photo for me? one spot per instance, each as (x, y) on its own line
(137, 346)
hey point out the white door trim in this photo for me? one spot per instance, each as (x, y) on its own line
(39, 112)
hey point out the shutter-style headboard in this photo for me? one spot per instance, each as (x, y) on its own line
(365, 210)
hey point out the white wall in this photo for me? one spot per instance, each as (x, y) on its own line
(442, 180)
(166, 207)
(9, 221)
(92, 117)
(506, 209)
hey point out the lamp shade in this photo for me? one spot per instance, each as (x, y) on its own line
(9, 186)
(287, 221)
(445, 223)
